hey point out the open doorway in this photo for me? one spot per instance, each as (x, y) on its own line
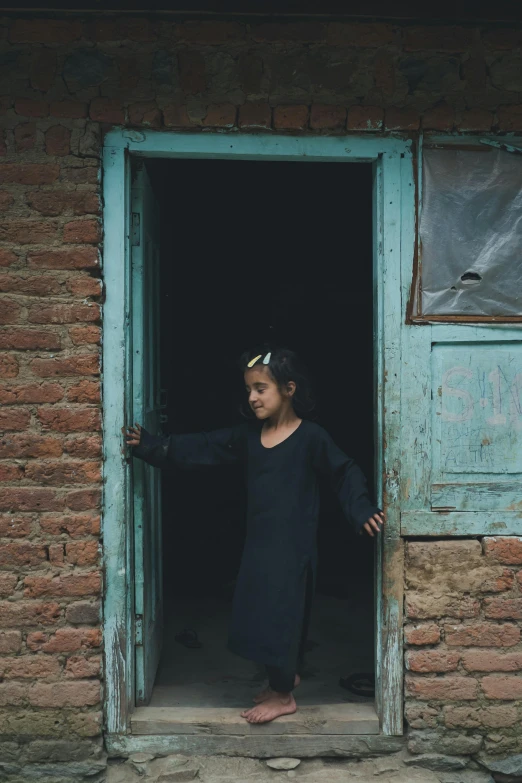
(253, 252)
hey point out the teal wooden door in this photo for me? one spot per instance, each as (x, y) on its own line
(145, 407)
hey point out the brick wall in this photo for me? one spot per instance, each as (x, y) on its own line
(64, 82)
(463, 646)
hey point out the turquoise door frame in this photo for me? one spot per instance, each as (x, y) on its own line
(394, 233)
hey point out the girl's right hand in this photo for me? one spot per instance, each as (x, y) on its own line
(133, 435)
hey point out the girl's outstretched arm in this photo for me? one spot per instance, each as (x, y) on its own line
(192, 451)
(349, 484)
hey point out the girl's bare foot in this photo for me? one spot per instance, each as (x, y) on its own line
(276, 705)
(268, 692)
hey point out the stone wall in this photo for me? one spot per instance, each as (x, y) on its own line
(64, 82)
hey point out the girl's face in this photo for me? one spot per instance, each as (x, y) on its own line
(264, 396)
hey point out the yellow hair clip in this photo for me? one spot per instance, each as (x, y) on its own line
(253, 361)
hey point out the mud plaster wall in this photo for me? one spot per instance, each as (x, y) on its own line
(64, 82)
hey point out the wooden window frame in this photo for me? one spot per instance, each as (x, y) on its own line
(394, 237)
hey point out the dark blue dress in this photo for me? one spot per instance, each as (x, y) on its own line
(282, 520)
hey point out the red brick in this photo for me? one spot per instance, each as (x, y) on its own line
(271, 32)
(28, 613)
(82, 232)
(474, 73)
(220, 115)
(364, 34)
(82, 553)
(84, 446)
(75, 365)
(72, 639)
(14, 419)
(29, 173)
(45, 31)
(324, 116)
(28, 108)
(146, 113)
(79, 667)
(491, 661)
(29, 285)
(452, 688)
(29, 499)
(84, 391)
(438, 37)
(422, 634)
(384, 72)
(482, 635)
(25, 136)
(291, 117)
(28, 232)
(31, 445)
(86, 724)
(8, 366)
(208, 33)
(476, 717)
(255, 114)
(35, 640)
(29, 667)
(75, 526)
(58, 141)
(70, 419)
(84, 286)
(79, 693)
(503, 550)
(9, 473)
(3, 145)
(56, 554)
(85, 335)
(80, 258)
(10, 641)
(7, 257)
(12, 694)
(8, 582)
(22, 553)
(43, 69)
(84, 175)
(83, 612)
(43, 313)
(502, 686)
(502, 608)
(502, 38)
(74, 110)
(441, 117)
(6, 200)
(60, 473)
(9, 311)
(431, 661)
(30, 392)
(29, 340)
(16, 525)
(176, 116)
(398, 118)
(84, 499)
(192, 74)
(107, 110)
(63, 585)
(54, 202)
(475, 120)
(423, 606)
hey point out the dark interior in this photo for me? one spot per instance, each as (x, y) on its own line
(253, 252)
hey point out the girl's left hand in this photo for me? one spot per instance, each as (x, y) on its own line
(373, 524)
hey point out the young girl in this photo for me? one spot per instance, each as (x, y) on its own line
(283, 455)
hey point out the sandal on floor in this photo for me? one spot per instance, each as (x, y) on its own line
(188, 638)
(360, 684)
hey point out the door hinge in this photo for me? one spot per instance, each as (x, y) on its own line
(138, 630)
(135, 229)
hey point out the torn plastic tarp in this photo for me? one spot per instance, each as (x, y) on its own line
(471, 233)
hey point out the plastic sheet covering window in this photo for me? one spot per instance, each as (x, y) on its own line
(471, 233)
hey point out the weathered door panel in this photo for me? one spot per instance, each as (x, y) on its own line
(146, 410)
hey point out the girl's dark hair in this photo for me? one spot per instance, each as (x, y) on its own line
(284, 366)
